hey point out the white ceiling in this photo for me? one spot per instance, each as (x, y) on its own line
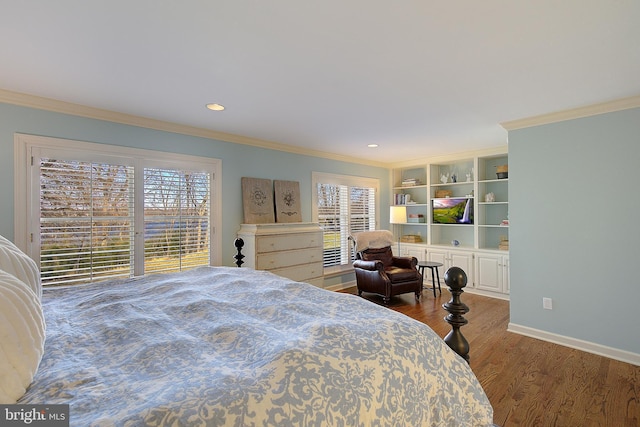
(418, 77)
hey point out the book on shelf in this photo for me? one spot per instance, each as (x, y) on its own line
(410, 182)
(504, 243)
(402, 199)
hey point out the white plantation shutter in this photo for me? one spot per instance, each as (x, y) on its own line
(86, 221)
(342, 209)
(333, 218)
(176, 225)
(362, 209)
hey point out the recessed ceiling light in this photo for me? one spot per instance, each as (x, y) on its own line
(372, 145)
(215, 107)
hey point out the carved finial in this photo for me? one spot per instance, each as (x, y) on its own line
(239, 243)
(456, 279)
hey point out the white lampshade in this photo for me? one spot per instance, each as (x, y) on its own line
(398, 215)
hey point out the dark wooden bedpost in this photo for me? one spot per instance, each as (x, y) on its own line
(456, 279)
(238, 257)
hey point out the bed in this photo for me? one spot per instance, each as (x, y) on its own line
(228, 346)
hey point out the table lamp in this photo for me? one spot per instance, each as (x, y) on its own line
(398, 215)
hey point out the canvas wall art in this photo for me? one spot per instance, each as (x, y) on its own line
(287, 196)
(257, 201)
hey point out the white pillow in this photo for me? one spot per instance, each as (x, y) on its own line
(5, 241)
(22, 330)
(16, 262)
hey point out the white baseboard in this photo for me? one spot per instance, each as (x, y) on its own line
(341, 286)
(489, 294)
(589, 347)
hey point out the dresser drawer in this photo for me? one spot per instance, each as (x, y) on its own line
(288, 242)
(271, 260)
(301, 273)
(292, 250)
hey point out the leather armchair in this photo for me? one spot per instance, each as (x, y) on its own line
(379, 272)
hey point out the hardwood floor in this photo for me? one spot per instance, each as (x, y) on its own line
(528, 381)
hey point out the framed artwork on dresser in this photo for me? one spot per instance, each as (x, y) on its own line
(287, 197)
(257, 201)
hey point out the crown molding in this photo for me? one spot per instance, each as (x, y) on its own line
(574, 113)
(41, 103)
(485, 152)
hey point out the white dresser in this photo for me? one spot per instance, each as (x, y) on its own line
(291, 250)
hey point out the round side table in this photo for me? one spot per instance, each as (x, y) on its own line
(433, 266)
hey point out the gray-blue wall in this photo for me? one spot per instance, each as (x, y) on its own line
(237, 161)
(574, 210)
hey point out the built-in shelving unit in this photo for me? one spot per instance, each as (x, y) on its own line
(479, 240)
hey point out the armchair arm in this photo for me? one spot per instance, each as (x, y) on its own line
(374, 265)
(405, 262)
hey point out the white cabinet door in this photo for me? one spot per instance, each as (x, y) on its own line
(407, 249)
(463, 260)
(506, 287)
(437, 255)
(417, 252)
(448, 258)
(489, 277)
(492, 272)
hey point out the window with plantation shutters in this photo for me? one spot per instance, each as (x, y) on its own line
(97, 212)
(343, 206)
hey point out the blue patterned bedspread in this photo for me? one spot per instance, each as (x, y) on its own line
(237, 347)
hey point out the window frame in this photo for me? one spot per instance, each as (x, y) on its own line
(349, 181)
(26, 209)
